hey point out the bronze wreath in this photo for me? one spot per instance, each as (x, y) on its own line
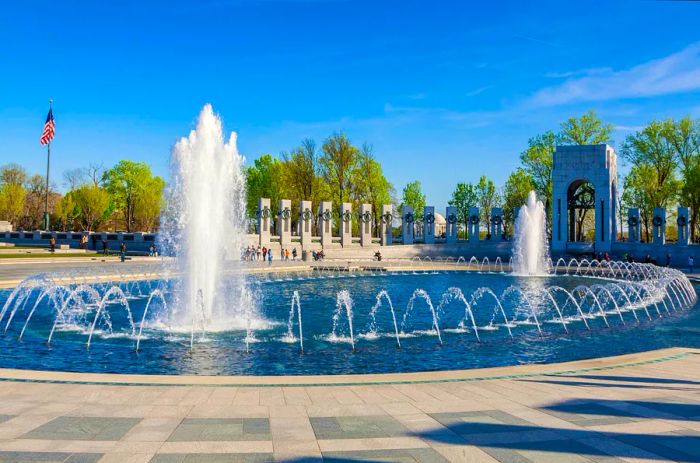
(285, 213)
(452, 218)
(387, 218)
(633, 221)
(429, 218)
(408, 218)
(474, 219)
(327, 215)
(265, 213)
(307, 214)
(366, 217)
(658, 221)
(496, 219)
(682, 221)
(347, 216)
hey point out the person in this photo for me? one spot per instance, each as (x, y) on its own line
(269, 257)
(122, 251)
(668, 259)
(258, 252)
(264, 251)
(378, 256)
(691, 264)
(294, 254)
(286, 254)
(151, 250)
(105, 248)
(52, 244)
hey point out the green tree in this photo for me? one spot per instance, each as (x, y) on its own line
(413, 196)
(684, 137)
(263, 180)
(93, 205)
(65, 213)
(371, 186)
(128, 183)
(538, 160)
(488, 199)
(149, 203)
(585, 130)
(515, 191)
(13, 174)
(464, 197)
(301, 169)
(12, 199)
(338, 163)
(641, 190)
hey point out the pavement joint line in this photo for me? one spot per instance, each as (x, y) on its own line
(666, 358)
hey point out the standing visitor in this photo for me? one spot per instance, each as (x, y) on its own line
(269, 257)
(52, 244)
(294, 254)
(264, 253)
(105, 248)
(122, 251)
(259, 252)
(286, 254)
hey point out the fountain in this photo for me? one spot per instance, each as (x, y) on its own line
(203, 226)
(530, 250)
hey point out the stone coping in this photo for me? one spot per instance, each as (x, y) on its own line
(508, 372)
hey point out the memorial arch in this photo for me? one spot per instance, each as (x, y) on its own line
(584, 183)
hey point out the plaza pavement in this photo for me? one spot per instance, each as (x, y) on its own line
(634, 408)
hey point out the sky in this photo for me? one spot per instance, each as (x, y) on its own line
(444, 91)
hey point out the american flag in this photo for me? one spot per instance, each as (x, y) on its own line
(49, 129)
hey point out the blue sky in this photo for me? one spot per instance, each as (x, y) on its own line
(445, 91)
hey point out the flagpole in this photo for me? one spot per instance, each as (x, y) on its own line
(46, 196)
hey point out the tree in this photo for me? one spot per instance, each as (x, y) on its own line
(464, 197)
(538, 160)
(585, 130)
(12, 199)
(517, 187)
(338, 162)
(641, 190)
(371, 186)
(65, 213)
(35, 202)
(149, 203)
(488, 199)
(301, 168)
(127, 183)
(413, 196)
(13, 174)
(93, 205)
(684, 137)
(263, 181)
(73, 178)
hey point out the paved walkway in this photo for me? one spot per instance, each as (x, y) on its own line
(643, 407)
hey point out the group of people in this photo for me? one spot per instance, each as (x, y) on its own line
(262, 253)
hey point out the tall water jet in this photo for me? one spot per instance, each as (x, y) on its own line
(530, 249)
(203, 226)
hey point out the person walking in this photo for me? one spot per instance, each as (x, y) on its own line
(691, 264)
(105, 248)
(122, 251)
(294, 254)
(269, 257)
(259, 252)
(52, 244)
(286, 254)
(264, 251)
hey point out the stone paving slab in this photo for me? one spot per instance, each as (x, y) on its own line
(641, 411)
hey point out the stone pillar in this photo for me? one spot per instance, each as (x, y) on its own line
(407, 224)
(683, 222)
(366, 225)
(451, 224)
(659, 223)
(346, 224)
(325, 222)
(284, 222)
(264, 221)
(633, 225)
(496, 224)
(305, 224)
(473, 224)
(429, 225)
(385, 223)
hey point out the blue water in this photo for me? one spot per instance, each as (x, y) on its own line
(225, 353)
